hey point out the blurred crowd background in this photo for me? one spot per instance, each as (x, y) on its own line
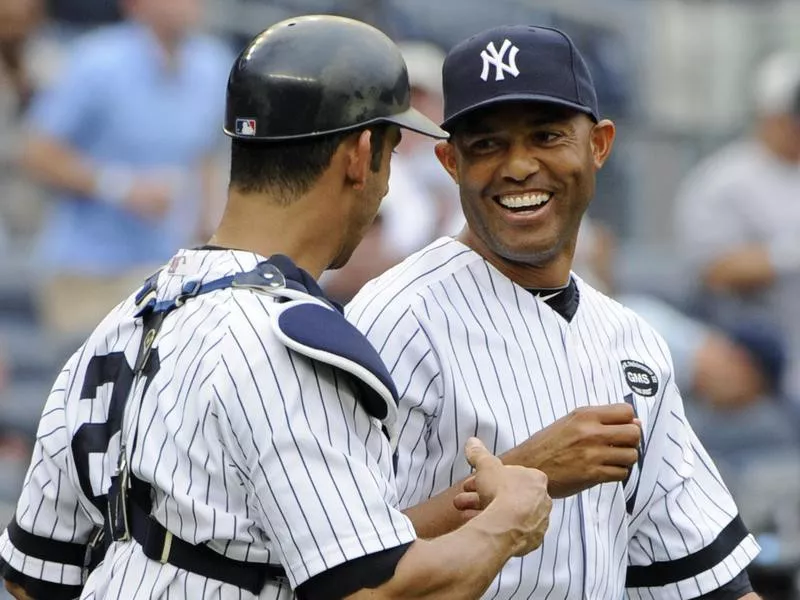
(112, 156)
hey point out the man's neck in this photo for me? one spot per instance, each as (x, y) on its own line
(168, 44)
(256, 224)
(551, 274)
(774, 144)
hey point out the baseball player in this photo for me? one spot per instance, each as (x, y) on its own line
(224, 432)
(491, 334)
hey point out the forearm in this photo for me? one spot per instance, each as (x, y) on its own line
(17, 591)
(456, 566)
(56, 165)
(31, 587)
(11, 61)
(437, 516)
(741, 270)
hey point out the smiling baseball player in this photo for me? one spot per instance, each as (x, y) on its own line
(491, 334)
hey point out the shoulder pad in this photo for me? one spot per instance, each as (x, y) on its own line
(321, 333)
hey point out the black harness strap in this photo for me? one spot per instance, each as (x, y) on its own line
(129, 500)
(160, 545)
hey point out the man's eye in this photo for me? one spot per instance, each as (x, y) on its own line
(485, 145)
(546, 137)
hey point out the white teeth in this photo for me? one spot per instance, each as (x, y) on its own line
(525, 200)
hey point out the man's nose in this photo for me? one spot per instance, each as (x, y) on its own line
(522, 163)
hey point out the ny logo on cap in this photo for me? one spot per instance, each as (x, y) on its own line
(491, 57)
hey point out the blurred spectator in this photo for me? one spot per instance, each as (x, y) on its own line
(18, 18)
(126, 138)
(738, 217)
(67, 21)
(19, 201)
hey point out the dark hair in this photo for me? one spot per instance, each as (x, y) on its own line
(291, 167)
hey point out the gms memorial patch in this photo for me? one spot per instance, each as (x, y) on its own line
(640, 378)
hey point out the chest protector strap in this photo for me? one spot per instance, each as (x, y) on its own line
(307, 323)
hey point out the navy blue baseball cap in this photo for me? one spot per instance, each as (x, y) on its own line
(516, 62)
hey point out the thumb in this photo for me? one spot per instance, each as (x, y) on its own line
(478, 456)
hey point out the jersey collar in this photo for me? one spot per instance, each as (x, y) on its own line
(562, 300)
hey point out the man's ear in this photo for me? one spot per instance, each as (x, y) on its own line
(358, 158)
(602, 140)
(446, 153)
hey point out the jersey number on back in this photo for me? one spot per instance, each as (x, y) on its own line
(94, 437)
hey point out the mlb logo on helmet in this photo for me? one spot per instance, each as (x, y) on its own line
(246, 126)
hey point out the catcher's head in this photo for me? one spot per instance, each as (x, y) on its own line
(317, 103)
(316, 75)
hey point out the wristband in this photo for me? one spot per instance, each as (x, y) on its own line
(113, 185)
(784, 254)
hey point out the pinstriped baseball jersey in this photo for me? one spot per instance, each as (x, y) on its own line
(257, 451)
(472, 353)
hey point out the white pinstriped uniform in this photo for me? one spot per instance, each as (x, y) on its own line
(216, 443)
(472, 353)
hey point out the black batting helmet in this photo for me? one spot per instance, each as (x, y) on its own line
(316, 75)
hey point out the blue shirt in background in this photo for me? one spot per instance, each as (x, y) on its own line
(118, 103)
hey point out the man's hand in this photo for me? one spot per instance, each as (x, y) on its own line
(150, 198)
(515, 496)
(591, 445)
(17, 591)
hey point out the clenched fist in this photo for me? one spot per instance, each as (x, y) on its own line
(591, 445)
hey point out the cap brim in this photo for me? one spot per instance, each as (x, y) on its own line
(519, 97)
(415, 121)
